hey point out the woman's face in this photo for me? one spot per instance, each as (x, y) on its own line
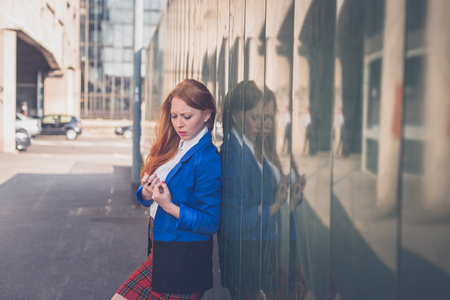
(269, 112)
(249, 122)
(187, 121)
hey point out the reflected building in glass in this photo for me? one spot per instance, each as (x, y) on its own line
(106, 53)
(334, 133)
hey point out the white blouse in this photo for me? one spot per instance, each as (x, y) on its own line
(249, 144)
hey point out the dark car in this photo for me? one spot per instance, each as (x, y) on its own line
(70, 126)
(126, 131)
(23, 140)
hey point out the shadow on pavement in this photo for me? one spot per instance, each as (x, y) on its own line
(69, 236)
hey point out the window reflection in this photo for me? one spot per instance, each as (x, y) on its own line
(243, 214)
(290, 185)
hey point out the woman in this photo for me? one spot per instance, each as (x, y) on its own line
(268, 152)
(249, 194)
(181, 183)
(290, 274)
(24, 108)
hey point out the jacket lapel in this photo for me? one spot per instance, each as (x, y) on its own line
(203, 141)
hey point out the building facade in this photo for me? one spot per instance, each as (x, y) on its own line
(106, 47)
(355, 102)
(40, 61)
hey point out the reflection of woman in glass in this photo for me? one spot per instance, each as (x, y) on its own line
(250, 203)
(270, 153)
(294, 279)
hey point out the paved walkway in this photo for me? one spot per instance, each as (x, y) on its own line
(69, 227)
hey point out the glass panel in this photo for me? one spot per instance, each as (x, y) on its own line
(108, 34)
(311, 107)
(119, 4)
(128, 55)
(120, 16)
(424, 264)
(127, 35)
(242, 211)
(373, 105)
(236, 46)
(281, 269)
(222, 70)
(65, 119)
(49, 119)
(364, 226)
(211, 54)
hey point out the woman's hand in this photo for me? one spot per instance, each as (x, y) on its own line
(297, 191)
(162, 196)
(148, 183)
(280, 197)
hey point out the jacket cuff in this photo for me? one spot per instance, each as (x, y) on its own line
(145, 203)
(189, 219)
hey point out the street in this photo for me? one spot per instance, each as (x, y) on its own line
(69, 226)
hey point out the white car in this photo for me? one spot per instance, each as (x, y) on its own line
(29, 125)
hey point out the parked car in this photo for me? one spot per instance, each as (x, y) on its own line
(23, 140)
(70, 126)
(28, 125)
(126, 131)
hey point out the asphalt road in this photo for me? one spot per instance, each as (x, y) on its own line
(69, 227)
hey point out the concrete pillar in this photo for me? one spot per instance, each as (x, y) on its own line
(40, 94)
(390, 134)
(255, 61)
(8, 45)
(70, 91)
(437, 107)
(337, 108)
(300, 102)
(56, 94)
(300, 80)
(61, 93)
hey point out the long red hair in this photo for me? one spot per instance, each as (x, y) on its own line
(268, 143)
(197, 96)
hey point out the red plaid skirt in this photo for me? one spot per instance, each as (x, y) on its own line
(138, 286)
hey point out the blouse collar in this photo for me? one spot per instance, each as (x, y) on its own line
(245, 140)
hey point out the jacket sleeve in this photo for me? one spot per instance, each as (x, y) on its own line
(205, 217)
(143, 202)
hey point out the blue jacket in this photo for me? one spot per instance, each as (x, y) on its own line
(248, 241)
(182, 248)
(244, 189)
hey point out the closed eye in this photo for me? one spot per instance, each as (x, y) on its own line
(255, 117)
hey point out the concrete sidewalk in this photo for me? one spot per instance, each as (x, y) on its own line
(69, 228)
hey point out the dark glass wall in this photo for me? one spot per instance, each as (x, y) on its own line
(334, 133)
